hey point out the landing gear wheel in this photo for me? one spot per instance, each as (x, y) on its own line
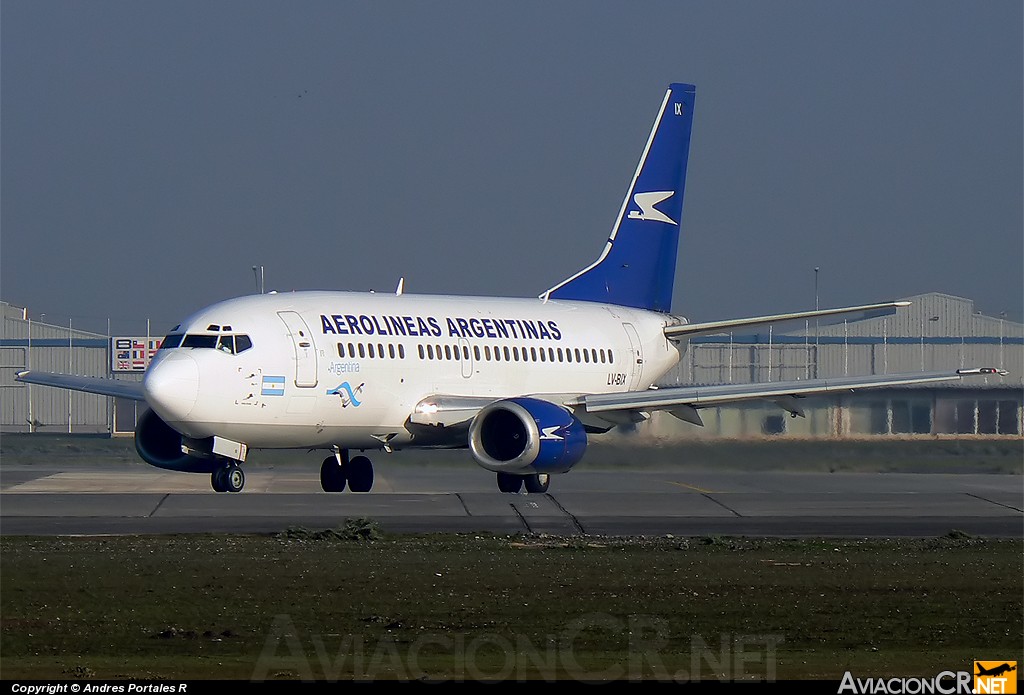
(510, 482)
(234, 478)
(332, 475)
(217, 480)
(537, 483)
(359, 472)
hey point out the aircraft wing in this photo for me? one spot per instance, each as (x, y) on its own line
(88, 384)
(690, 330)
(687, 399)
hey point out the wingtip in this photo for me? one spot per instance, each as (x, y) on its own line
(982, 371)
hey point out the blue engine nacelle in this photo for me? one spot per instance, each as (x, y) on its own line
(526, 435)
(160, 445)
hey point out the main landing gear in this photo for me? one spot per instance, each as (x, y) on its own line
(228, 478)
(338, 471)
(534, 483)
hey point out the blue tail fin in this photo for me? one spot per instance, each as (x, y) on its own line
(638, 265)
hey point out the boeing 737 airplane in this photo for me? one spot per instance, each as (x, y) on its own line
(521, 382)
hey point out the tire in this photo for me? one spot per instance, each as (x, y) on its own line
(537, 483)
(234, 478)
(332, 476)
(510, 482)
(359, 472)
(217, 480)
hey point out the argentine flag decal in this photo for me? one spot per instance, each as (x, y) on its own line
(273, 386)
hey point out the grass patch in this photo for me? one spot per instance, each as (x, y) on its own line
(359, 529)
(305, 604)
(880, 455)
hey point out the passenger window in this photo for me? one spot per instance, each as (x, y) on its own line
(586, 355)
(551, 354)
(430, 352)
(341, 349)
(476, 352)
(610, 358)
(568, 355)
(533, 354)
(401, 351)
(515, 354)
(505, 350)
(602, 355)
(497, 354)
(362, 350)
(560, 354)
(543, 357)
(487, 352)
(369, 349)
(391, 350)
(421, 351)
(380, 350)
(447, 352)
(578, 355)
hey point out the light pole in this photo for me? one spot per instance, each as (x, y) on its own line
(1002, 321)
(816, 269)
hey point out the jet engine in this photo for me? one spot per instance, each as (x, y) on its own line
(526, 435)
(159, 445)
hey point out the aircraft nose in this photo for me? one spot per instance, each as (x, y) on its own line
(171, 386)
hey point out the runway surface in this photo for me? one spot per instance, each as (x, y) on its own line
(96, 499)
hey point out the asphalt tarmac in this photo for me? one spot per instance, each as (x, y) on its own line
(96, 499)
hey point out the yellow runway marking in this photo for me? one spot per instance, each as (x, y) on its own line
(692, 487)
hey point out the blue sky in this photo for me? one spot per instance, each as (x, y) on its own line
(151, 153)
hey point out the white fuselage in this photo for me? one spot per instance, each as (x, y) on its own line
(348, 369)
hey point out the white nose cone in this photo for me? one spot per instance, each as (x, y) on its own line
(172, 386)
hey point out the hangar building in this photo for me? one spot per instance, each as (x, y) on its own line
(937, 332)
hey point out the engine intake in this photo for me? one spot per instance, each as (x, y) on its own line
(526, 435)
(159, 445)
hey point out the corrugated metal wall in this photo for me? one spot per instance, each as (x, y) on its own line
(953, 336)
(28, 344)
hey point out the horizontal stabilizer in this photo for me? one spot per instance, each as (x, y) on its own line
(690, 330)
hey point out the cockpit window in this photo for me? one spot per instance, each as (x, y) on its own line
(172, 340)
(231, 344)
(199, 341)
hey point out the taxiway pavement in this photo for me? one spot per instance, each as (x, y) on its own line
(96, 499)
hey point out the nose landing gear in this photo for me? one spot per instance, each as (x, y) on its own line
(228, 478)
